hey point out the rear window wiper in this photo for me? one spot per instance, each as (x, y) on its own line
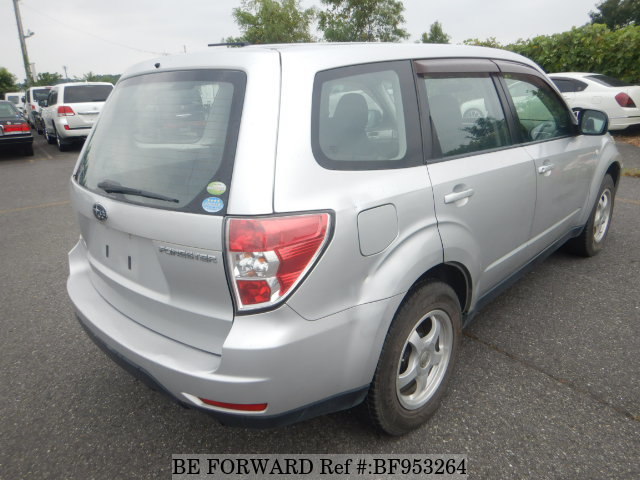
(110, 186)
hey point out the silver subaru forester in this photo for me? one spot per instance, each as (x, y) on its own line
(272, 233)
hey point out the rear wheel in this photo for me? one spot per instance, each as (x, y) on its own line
(592, 238)
(63, 146)
(417, 359)
(47, 135)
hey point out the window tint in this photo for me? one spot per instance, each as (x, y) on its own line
(168, 133)
(566, 85)
(40, 94)
(13, 99)
(608, 81)
(466, 113)
(53, 98)
(365, 117)
(86, 93)
(541, 114)
(7, 109)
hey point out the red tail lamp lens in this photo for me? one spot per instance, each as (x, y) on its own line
(269, 256)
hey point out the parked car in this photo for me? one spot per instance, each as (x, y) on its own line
(17, 98)
(271, 233)
(70, 111)
(14, 129)
(32, 107)
(620, 100)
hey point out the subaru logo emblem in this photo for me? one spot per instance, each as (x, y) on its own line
(100, 212)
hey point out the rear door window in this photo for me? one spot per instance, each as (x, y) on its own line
(171, 134)
(86, 93)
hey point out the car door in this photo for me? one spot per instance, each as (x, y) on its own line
(483, 185)
(564, 160)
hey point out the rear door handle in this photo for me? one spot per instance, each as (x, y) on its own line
(457, 196)
(546, 168)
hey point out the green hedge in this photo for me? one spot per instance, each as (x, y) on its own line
(591, 48)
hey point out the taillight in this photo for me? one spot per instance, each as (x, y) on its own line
(625, 100)
(268, 257)
(16, 128)
(33, 107)
(65, 111)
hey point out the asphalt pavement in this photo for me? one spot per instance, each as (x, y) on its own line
(547, 384)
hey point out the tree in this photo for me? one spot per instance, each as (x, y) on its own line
(273, 21)
(7, 82)
(362, 21)
(435, 35)
(46, 78)
(489, 42)
(617, 13)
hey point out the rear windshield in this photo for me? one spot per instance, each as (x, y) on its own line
(7, 109)
(15, 99)
(86, 93)
(608, 81)
(170, 134)
(40, 94)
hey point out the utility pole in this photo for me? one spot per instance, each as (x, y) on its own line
(23, 44)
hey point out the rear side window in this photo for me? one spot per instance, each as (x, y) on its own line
(608, 81)
(541, 115)
(466, 113)
(87, 93)
(566, 85)
(171, 134)
(365, 117)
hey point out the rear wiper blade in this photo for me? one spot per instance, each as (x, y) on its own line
(112, 187)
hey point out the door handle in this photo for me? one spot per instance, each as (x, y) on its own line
(457, 196)
(546, 168)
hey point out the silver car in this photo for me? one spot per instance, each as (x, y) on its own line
(271, 233)
(70, 111)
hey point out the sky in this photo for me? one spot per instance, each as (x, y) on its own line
(106, 37)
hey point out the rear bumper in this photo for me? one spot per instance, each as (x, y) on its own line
(299, 368)
(74, 133)
(621, 123)
(16, 140)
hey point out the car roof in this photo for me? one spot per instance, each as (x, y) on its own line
(76, 84)
(322, 56)
(572, 74)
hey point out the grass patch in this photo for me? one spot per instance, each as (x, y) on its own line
(631, 172)
(631, 135)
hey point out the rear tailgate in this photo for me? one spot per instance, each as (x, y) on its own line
(198, 139)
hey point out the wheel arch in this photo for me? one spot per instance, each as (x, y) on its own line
(453, 274)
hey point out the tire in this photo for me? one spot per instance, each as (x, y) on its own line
(62, 145)
(28, 150)
(412, 374)
(592, 238)
(50, 140)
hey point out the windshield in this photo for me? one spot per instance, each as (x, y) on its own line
(170, 134)
(87, 93)
(608, 81)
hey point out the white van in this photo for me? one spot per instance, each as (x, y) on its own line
(17, 98)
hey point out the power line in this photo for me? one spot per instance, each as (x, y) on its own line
(39, 12)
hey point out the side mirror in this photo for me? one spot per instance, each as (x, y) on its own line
(43, 103)
(23, 99)
(592, 122)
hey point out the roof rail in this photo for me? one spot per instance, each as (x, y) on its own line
(229, 44)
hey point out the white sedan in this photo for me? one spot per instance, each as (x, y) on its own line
(620, 100)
